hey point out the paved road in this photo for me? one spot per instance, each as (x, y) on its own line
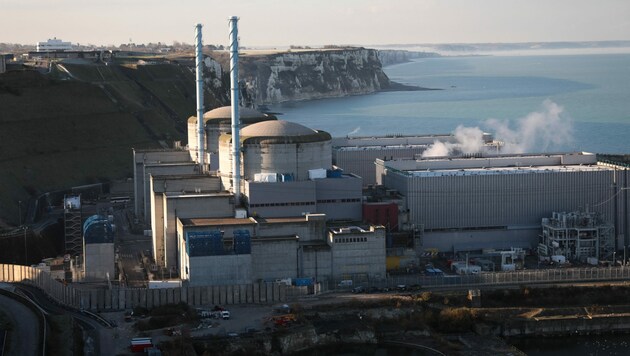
(129, 247)
(25, 337)
(98, 337)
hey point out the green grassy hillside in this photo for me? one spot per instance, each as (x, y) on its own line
(77, 125)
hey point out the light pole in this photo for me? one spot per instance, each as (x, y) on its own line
(614, 253)
(25, 254)
(20, 212)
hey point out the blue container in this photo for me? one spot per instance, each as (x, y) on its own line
(206, 243)
(242, 242)
(334, 173)
(303, 282)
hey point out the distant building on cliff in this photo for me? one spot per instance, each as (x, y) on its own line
(53, 45)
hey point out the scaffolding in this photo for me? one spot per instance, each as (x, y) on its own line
(577, 236)
(73, 229)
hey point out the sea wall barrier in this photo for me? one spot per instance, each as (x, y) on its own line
(118, 298)
(83, 296)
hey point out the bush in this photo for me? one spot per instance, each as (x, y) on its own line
(454, 320)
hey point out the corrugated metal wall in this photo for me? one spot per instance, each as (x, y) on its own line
(512, 200)
(361, 161)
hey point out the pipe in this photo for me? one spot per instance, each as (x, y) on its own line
(236, 157)
(199, 81)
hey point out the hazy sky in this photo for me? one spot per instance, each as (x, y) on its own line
(315, 22)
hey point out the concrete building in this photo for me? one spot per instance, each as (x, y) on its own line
(216, 123)
(287, 171)
(215, 251)
(276, 147)
(163, 190)
(52, 45)
(156, 162)
(240, 250)
(457, 204)
(358, 254)
(357, 154)
(98, 249)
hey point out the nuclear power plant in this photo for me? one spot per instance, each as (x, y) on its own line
(257, 198)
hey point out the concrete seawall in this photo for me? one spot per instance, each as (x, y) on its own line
(117, 298)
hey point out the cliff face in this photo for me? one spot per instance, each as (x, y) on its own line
(306, 75)
(395, 56)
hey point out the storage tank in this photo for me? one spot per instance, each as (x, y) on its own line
(277, 147)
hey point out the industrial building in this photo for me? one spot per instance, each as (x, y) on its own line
(499, 201)
(357, 154)
(215, 123)
(578, 235)
(250, 199)
(98, 249)
(52, 45)
(238, 250)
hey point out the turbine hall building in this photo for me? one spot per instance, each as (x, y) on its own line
(499, 201)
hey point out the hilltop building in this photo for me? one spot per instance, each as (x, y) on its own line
(53, 45)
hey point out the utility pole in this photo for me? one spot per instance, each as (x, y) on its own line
(25, 251)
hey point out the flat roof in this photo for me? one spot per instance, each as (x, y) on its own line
(183, 176)
(178, 195)
(505, 170)
(380, 147)
(282, 220)
(217, 221)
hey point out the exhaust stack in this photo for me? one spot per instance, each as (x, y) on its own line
(236, 143)
(199, 80)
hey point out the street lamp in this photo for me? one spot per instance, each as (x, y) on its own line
(614, 253)
(25, 254)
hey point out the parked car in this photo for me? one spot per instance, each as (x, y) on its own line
(359, 289)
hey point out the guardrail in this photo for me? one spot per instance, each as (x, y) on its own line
(557, 275)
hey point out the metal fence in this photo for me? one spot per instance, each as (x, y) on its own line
(559, 275)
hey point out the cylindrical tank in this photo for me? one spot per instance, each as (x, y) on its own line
(278, 146)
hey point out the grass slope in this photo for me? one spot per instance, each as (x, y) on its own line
(80, 128)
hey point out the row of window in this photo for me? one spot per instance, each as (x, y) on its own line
(305, 203)
(325, 201)
(299, 203)
(350, 239)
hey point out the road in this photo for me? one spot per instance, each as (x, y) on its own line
(129, 248)
(98, 337)
(25, 338)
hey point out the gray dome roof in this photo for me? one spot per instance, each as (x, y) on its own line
(278, 128)
(278, 132)
(224, 114)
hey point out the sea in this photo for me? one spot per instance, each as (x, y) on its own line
(555, 101)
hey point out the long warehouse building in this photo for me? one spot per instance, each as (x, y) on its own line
(464, 204)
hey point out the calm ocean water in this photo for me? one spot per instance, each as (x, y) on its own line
(593, 90)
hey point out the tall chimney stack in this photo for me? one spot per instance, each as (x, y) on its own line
(199, 80)
(236, 144)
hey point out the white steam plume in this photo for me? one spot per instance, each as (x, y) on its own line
(468, 140)
(550, 128)
(355, 131)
